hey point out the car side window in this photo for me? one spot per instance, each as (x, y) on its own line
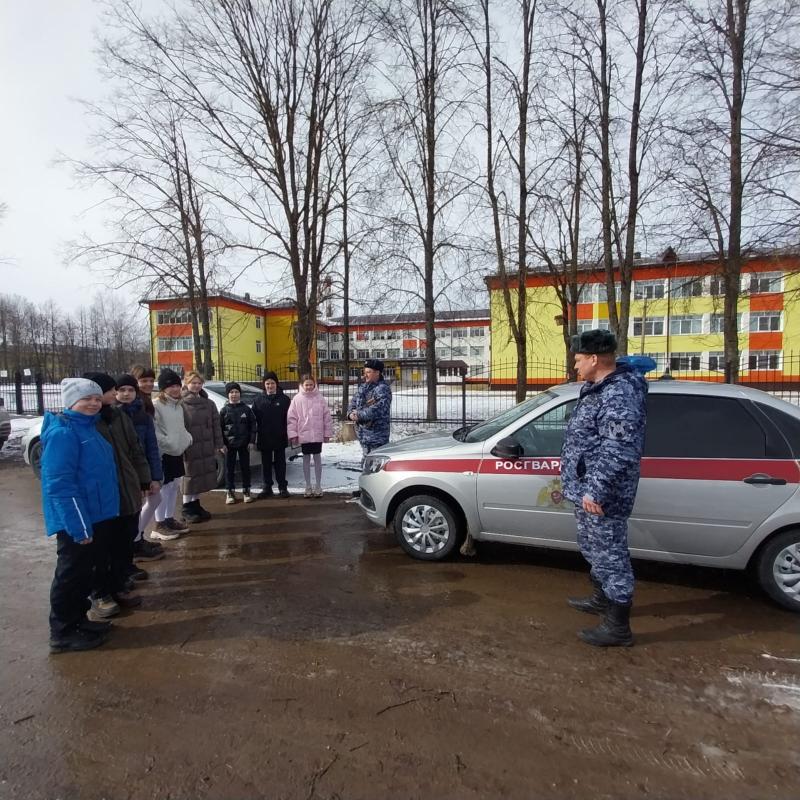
(544, 435)
(697, 426)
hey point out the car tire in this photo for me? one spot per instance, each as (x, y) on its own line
(35, 458)
(777, 569)
(427, 528)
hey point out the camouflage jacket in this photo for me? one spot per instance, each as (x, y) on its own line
(373, 403)
(603, 442)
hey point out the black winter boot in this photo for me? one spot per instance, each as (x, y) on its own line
(192, 513)
(614, 630)
(597, 603)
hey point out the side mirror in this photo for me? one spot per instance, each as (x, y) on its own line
(508, 448)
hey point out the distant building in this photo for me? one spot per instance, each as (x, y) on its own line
(247, 337)
(676, 318)
(399, 341)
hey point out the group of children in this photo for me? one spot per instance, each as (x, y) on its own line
(115, 458)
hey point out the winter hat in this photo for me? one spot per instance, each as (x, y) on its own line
(594, 343)
(102, 379)
(74, 389)
(167, 378)
(270, 376)
(229, 387)
(374, 363)
(127, 380)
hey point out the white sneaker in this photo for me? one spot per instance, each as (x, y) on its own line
(308, 492)
(230, 499)
(318, 492)
(104, 607)
(248, 498)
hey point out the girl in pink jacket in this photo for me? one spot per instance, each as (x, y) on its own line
(309, 425)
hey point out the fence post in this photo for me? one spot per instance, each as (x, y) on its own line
(464, 399)
(18, 392)
(39, 394)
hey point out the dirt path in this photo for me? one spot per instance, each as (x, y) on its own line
(288, 649)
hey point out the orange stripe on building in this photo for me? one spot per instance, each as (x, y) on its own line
(772, 301)
(772, 340)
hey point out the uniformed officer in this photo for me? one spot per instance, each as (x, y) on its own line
(600, 463)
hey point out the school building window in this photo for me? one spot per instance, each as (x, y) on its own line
(477, 331)
(259, 370)
(459, 333)
(258, 323)
(763, 282)
(584, 325)
(602, 291)
(335, 355)
(765, 321)
(686, 287)
(686, 324)
(477, 352)
(393, 334)
(602, 325)
(362, 353)
(379, 354)
(648, 326)
(258, 347)
(716, 361)
(392, 352)
(648, 290)
(716, 288)
(174, 343)
(409, 352)
(660, 359)
(716, 323)
(459, 351)
(764, 359)
(684, 361)
(585, 293)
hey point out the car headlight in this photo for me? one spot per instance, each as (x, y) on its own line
(374, 464)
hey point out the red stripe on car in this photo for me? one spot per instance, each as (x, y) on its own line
(699, 469)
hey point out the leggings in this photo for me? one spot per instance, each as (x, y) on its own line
(317, 468)
(151, 503)
(166, 508)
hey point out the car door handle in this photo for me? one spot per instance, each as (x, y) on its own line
(760, 479)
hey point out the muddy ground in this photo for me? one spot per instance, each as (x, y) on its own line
(289, 649)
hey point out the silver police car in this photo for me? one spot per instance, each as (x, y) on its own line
(719, 482)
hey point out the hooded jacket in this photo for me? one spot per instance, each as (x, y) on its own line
(200, 459)
(170, 422)
(238, 423)
(373, 403)
(309, 418)
(146, 431)
(79, 476)
(603, 442)
(271, 412)
(133, 473)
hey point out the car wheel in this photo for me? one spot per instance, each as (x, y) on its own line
(35, 458)
(426, 527)
(778, 569)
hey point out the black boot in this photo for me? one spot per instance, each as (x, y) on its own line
(192, 513)
(206, 515)
(614, 630)
(596, 604)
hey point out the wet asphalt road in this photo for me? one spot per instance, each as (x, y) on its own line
(288, 649)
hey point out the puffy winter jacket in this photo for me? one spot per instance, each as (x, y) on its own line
(309, 418)
(170, 421)
(79, 476)
(133, 472)
(146, 431)
(200, 460)
(603, 443)
(373, 403)
(238, 423)
(271, 412)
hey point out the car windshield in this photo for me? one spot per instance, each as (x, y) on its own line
(483, 430)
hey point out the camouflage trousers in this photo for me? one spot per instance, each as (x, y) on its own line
(603, 542)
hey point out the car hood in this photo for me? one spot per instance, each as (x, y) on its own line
(422, 441)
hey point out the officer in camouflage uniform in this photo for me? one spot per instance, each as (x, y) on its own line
(371, 407)
(600, 463)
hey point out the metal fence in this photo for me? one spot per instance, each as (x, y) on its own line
(460, 398)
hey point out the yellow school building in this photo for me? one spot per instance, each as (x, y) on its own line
(676, 318)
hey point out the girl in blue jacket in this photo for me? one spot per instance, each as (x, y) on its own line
(79, 489)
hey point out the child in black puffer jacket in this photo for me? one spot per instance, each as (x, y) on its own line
(239, 429)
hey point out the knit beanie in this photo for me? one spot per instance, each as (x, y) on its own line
(229, 387)
(74, 389)
(102, 379)
(168, 378)
(127, 380)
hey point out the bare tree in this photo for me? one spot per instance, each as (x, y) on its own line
(420, 117)
(727, 175)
